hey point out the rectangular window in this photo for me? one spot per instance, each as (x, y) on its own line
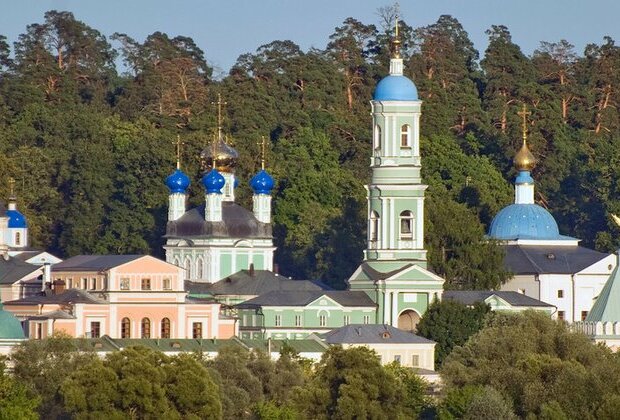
(278, 320)
(347, 320)
(322, 321)
(584, 314)
(166, 284)
(560, 293)
(84, 284)
(561, 315)
(69, 283)
(146, 284)
(124, 284)
(197, 330)
(93, 284)
(244, 320)
(95, 329)
(415, 360)
(298, 320)
(397, 358)
(366, 319)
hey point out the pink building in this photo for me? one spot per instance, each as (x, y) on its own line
(122, 296)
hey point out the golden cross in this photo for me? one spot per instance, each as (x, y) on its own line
(523, 114)
(396, 26)
(219, 104)
(262, 152)
(178, 144)
(12, 186)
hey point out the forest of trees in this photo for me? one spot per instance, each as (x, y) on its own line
(90, 145)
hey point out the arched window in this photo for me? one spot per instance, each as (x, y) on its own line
(373, 229)
(125, 328)
(146, 328)
(18, 238)
(188, 269)
(377, 138)
(176, 262)
(405, 135)
(199, 268)
(406, 225)
(165, 328)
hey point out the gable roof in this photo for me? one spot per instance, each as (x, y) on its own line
(372, 333)
(244, 283)
(470, 297)
(12, 270)
(67, 297)
(94, 262)
(607, 305)
(304, 298)
(538, 259)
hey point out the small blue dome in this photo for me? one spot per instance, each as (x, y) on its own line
(262, 183)
(10, 327)
(395, 88)
(213, 182)
(524, 221)
(16, 219)
(177, 182)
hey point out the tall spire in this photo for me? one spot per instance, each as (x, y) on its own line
(524, 159)
(396, 61)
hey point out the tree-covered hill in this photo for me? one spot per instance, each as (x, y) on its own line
(90, 147)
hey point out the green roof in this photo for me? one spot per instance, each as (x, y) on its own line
(10, 327)
(607, 305)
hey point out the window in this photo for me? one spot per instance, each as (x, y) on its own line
(561, 315)
(377, 138)
(584, 314)
(95, 329)
(199, 268)
(84, 283)
(278, 320)
(397, 358)
(145, 327)
(93, 284)
(18, 238)
(373, 229)
(166, 284)
(415, 360)
(188, 269)
(322, 321)
(560, 293)
(405, 132)
(347, 320)
(366, 319)
(69, 283)
(298, 320)
(197, 330)
(124, 284)
(146, 284)
(125, 328)
(406, 225)
(165, 328)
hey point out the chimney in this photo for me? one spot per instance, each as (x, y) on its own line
(252, 270)
(59, 287)
(47, 275)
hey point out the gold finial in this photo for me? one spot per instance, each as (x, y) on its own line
(262, 152)
(396, 42)
(524, 159)
(219, 104)
(11, 187)
(178, 144)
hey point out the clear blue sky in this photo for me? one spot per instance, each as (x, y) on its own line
(225, 29)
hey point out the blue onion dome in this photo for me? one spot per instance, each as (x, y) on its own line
(262, 183)
(10, 327)
(213, 182)
(16, 219)
(395, 88)
(524, 221)
(177, 182)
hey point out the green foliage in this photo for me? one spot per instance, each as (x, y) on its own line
(534, 361)
(16, 401)
(450, 324)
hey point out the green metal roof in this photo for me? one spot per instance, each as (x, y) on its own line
(607, 305)
(10, 327)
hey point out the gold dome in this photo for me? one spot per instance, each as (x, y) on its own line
(524, 159)
(220, 156)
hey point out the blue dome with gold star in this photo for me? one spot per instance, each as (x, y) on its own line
(524, 221)
(395, 88)
(177, 182)
(262, 183)
(213, 182)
